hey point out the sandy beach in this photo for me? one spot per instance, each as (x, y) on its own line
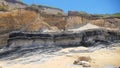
(99, 59)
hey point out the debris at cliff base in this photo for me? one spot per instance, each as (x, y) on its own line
(83, 60)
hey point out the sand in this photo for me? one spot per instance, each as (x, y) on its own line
(100, 58)
(85, 27)
(90, 26)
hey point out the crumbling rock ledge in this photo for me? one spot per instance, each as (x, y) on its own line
(91, 37)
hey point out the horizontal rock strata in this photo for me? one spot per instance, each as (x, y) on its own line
(91, 37)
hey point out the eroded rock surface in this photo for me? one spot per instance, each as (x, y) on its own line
(91, 37)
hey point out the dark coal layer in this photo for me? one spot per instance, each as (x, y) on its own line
(25, 45)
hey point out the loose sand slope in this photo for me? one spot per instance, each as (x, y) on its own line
(85, 27)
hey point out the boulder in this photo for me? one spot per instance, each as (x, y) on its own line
(83, 60)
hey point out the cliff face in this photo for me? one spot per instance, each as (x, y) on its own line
(42, 28)
(64, 22)
(56, 17)
(19, 20)
(92, 37)
(41, 18)
(45, 9)
(107, 23)
(73, 22)
(25, 20)
(30, 42)
(13, 4)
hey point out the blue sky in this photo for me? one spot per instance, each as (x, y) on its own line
(89, 6)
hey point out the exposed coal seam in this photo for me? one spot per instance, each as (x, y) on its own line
(88, 38)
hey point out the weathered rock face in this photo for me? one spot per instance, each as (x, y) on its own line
(21, 20)
(92, 37)
(75, 19)
(48, 17)
(50, 10)
(55, 20)
(25, 44)
(64, 22)
(13, 4)
(75, 22)
(107, 23)
(45, 9)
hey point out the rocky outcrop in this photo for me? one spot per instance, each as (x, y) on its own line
(107, 23)
(45, 9)
(91, 37)
(73, 22)
(20, 20)
(77, 19)
(83, 60)
(46, 18)
(29, 43)
(13, 4)
(55, 21)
